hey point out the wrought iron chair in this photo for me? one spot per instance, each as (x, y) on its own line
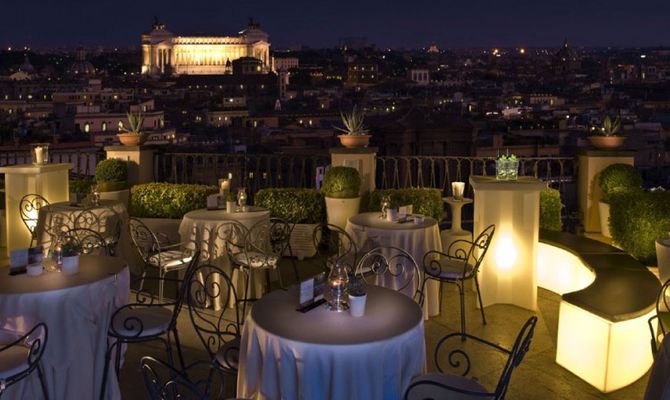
(29, 208)
(394, 268)
(335, 245)
(166, 258)
(662, 318)
(90, 242)
(459, 264)
(265, 245)
(103, 220)
(147, 320)
(446, 385)
(22, 356)
(163, 382)
(218, 332)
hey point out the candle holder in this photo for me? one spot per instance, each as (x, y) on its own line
(40, 153)
(457, 190)
(337, 284)
(241, 198)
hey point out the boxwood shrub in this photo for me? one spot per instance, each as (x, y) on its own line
(341, 182)
(619, 178)
(81, 187)
(550, 210)
(167, 200)
(637, 220)
(298, 206)
(425, 201)
(111, 175)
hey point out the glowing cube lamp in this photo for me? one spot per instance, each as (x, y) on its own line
(509, 271)
(49, 180)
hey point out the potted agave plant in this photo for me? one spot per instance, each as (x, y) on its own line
(132, 135)
(355, 135)
(607, 137)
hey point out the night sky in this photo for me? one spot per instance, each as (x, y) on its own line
(319, 23)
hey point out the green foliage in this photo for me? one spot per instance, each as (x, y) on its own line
(230, 196)
(81, 187)
(353, 122)
(637, 220)
(299, 206)
(167, 200)
(356, 286)
(111, 175)
(610, 128)
(135, 122)
(550, 210)
(70, 248)
(618, 178)
(425, 201)
(341, 183)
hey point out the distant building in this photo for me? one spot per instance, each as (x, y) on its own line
(565, 60)
(163, 53)
(285, 63)
(362, 73)
(420, 76)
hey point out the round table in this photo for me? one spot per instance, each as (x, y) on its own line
(369, 230)
(323, 354)
(66, 213)
(77, 310)
(199, 226)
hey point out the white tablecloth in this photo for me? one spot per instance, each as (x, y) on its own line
(77, 310)
(199, 226)
(65, 213)
(368, 230)
(322, 354)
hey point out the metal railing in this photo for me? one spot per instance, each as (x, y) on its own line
(254, 171)
(83, 160)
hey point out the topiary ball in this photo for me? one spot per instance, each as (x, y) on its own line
(618, 178)
(342, 183)
(111, 170)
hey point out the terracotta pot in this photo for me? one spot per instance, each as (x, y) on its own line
(354, 141)
(131, 139)
(607, 142)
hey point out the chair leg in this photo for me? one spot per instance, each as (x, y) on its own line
(144, 274)
(479, 296)
(461, 292)
(180, 354)
(105, 370)
(247, 290)
(161, 283)
(40, 373)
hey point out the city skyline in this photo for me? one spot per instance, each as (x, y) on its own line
(478, 23)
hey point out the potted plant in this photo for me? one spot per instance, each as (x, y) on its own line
(357, 296)
(111, 178)
(231, 202)
(70, 250)
(507, 167)
(79, 189)
(606, 137)
(341, 188)
(355, 135)
(132, 135)
(616, 178)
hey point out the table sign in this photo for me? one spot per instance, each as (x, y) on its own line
(311, 292)
(21, 258)
(213, 202)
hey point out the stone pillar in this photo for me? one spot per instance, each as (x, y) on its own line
(51, 181)
(140, 161)
(363, 159)
(591, 163)
(508, 273)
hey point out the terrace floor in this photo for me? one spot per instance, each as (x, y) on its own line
(538, 377)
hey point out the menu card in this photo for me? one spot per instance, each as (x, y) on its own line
(311, 292)
(213, 202)
(21, 258)
(404, 211)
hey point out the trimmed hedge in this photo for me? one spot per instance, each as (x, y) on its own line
(425, 201)
(637, 220)
(296, 206)
(341, 183)
(550, 210)
(167, 200)
(81, 186)
(619, 178)
(111, 175)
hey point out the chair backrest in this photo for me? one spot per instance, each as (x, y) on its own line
(36, 341)
(269, 237)
(335, 244)
(232, 236)
(163, 382)
(143, 238)
(182, 294)
(662, 310)
(104, 220)
(394, 268)
(209, 284)
(516, 355)
(29, 208)
(480, 246)
(90, 242)
(470, 254)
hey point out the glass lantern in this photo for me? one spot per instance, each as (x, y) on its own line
(241, 198)
(337, 286)
(40, 153)
(386, 204)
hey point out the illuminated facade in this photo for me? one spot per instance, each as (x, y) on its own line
(166, 54)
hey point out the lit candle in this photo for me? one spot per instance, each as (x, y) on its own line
(230, 175)
(457, 189)
(39, 155)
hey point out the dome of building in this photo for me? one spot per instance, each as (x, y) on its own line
(27, 67)
(81, 66)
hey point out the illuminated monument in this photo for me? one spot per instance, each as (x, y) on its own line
(164, 53)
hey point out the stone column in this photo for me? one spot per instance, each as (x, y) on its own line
(140, 161)
(591, 163)
(363, 159)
